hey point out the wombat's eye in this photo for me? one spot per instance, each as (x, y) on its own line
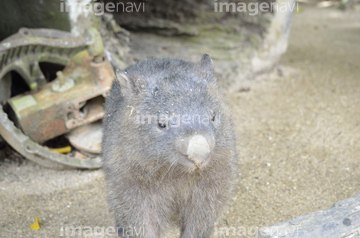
(163, 121)
(212, 116)
(161, 125)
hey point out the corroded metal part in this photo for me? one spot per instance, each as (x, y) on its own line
(40, 154)
(73, 99)
(24, 51)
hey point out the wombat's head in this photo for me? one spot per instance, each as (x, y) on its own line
(174, 114)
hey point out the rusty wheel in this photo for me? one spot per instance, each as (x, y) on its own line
(85, 80)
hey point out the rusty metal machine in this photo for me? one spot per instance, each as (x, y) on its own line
(70, 105)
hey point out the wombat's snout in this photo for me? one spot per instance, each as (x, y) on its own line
(197, 148)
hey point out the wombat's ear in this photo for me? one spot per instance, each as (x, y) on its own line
(206, 68)
(126, 85)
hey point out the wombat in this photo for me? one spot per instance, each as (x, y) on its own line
(169, 153)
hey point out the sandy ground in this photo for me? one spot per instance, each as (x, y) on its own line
(298, 135)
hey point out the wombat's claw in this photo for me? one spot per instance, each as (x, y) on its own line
(120, 232)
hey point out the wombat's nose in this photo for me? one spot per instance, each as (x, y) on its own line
(198, 149)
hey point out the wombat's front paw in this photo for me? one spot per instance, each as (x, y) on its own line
(121, 232)
(196, 236)
(135, 232)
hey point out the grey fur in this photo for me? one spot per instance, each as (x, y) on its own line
(153, 181)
